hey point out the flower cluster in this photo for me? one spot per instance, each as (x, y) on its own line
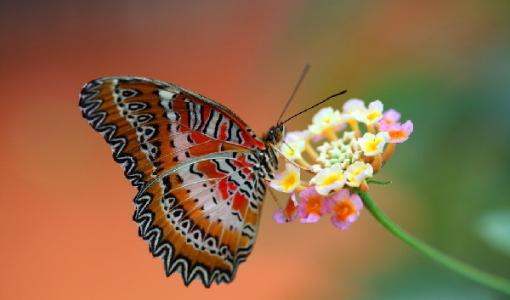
(338, 152)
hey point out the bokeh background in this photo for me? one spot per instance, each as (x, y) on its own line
(66, 230)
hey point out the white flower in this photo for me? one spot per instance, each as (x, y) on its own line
(357, 172)
(288, 180)
(354, 109)
(329, 179)
(324, 119)
(294, 144)
(374, 113)
(373, 144)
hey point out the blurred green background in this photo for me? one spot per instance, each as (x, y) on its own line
(443, 64)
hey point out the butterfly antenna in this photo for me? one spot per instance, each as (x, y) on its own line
(315, 105)
(303, 74)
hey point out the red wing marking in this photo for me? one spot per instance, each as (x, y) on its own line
(147, 122)
(204, 233)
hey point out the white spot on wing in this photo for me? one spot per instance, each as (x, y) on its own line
(165, 99)
(166, 95)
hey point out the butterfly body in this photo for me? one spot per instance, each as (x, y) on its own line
(200, 171)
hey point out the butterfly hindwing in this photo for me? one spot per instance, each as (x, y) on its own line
(202, 217)
(193, 163)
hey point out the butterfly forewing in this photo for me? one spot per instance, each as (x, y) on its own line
(194, 164)
(152, 125)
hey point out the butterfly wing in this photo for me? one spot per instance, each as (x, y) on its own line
(201, 217)
(193, 163)
(151, 125)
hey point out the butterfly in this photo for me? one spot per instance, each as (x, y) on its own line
(200, 171)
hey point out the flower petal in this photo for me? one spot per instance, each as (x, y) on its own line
(345, 209)
(399, 133)
(311, 205)
(358, 172)
(390, 118)
(329, 179)
(288, 180)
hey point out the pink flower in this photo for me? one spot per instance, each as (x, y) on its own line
(390, 117)
(345, 208)
(311, 205)
(289, 213)
(399, 133)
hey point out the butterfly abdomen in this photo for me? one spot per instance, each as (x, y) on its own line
(268, 162)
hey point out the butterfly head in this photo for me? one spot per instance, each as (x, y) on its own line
(275, 135)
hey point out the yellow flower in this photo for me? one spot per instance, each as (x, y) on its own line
(357, 173)
(288, 180)
(329, 179)
(373, 144)
(374, 113)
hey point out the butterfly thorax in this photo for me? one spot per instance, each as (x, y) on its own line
(267, 157)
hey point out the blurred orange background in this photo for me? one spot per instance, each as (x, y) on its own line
(66, 226)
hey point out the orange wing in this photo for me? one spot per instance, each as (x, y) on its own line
(202, 217)
(152, 125)
(194, 163)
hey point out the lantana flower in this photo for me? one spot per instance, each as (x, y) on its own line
(325, 122)
(288, 180)
(345, 208)
(399, 133)
(390, 117)
(354, 109)
(311, 206)
(338, 161)
(357, 173)
(373, 144)
(341, 167)
(373, 113)
(343, 151)
(287, 214)
(294, 145)
(329, 179)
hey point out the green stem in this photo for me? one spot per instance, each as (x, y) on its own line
(486, 279)
(374, 181)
